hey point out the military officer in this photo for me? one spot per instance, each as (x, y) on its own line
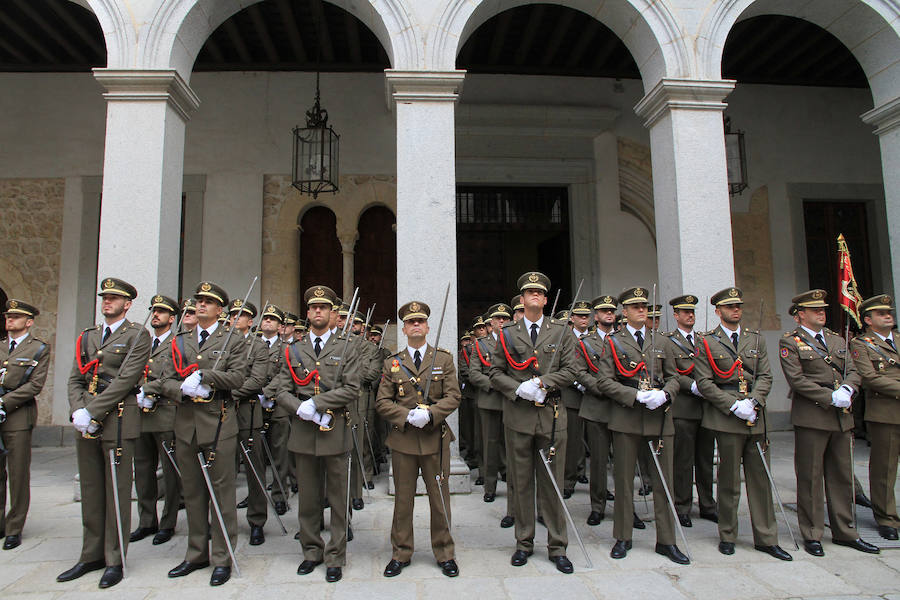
(278, 428)
(815, 361)
(318, 382)
(24, 360)
(377, 428)
(420, 436)
(518, 307)
(694, 444)
(876, 358)
(157, 435)
(206, 365)
(572, 398)
(638, 375)
(467, 408)
(535, 359)
(734, 378)
(102, 388)
(189, 308)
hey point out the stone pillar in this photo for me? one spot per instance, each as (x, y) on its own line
(886, 120)
(140, 214)
(426, 206)
(690, 185)
(348, 251)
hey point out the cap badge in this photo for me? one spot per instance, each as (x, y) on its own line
(318, 292)
(817, 295)
(109, 283)
(638, 292)
(733, 293)
(238, 302)
(886, 299)
(157, 299)
(13, 304)
(414, 307)
(205, 287)
(533, 278)
(690, 300)
(501, 308)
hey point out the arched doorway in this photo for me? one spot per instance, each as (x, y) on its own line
(3, 299)
(320, 250)
(375, 262)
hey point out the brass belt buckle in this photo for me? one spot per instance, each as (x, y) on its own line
(199, 400)
(742, 386)
(93, 436)
(328, 411)
(644, 385)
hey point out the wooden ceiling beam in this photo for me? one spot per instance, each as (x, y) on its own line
(293, 32)
(559, 33)
(259, 24)
(51, 31)
(531, 28)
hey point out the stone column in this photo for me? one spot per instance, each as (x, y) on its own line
(690, 185)
(348, 251)
(886, 119)
(426, 206)
(140, 214)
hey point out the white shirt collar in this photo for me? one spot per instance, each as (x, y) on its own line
(812, 333)
(579, 334)
(19, 339)
(211, 330)
(270, 340)
(602, 333)
(890, 336)
(728, 332)
(163, 336)
(325, 336)
(114, 326)
(421, 349)
(539, 322)
(494, 334)
(685, 333)
(632, 330)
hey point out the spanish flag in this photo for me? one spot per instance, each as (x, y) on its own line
(848, 296)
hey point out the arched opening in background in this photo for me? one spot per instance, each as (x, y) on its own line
(320, 251)
(375, 263)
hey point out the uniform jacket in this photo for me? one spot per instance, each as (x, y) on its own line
(571, 395)
(162, 416)
(116, 382)
(589, 353)
(202, 418)
(521, 415)
(686, 405)
(257, 367)
(626, 414)
(812, 379)
(19, 397)
(338, 367)
(469, 392)
(483, 354)
(880, 373)
(398, 393)
(721, 392)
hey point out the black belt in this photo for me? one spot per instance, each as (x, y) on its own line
(213, 397)
(731, 387)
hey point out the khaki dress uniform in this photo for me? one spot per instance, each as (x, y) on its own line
(364, 351)
(108, 392)
(490, 412)
(594, 411)
(467, 408)
(24, 371)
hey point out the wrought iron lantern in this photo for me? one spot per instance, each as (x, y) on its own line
(316, 167)
(735, 159)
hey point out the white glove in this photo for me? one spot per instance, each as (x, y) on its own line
(192, 386)
(81, 419)
(2, 415)
(322, 419)
(580, 387)
(657, 399)
(193, 380)
(307, 409)
(418, 417)
(528, 390)
(695, 390)
(743, 409)
(93, 427)
(841, 397)
(202, 391)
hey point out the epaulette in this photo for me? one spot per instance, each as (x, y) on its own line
(668, 333)
(510, 323)
(86, 329)
(186, 331)
(826, 330)
(558, 321)
(445, 350)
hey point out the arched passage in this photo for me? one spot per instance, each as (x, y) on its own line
(320, 251)
(375, 262)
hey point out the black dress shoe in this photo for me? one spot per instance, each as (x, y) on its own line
(775, 552)
(449, 568)
(307, 566)
(358, 504)
(490, 497)
(638, 523)
(856, 544)
(710, 515)
(813, 547)
(371, 486)
(888, 533)
(243, 503)
(610, 496)
(567, 493)
(726, 548)
(507, 522)
(162, 536)
(394, 568)
(540, 519)
(297, 535)
(281, 507)
(503, 477)
(142, 532)
(582, 479)
(111, 576)
(620, 549)
(672, 552)
(333, 574)
(80, 569)
(294, 488)
(862, 500)
(12, 541)
(645, 490)
(349, 533)
(519, 558)
(257, 536)
(685, 520)
(220, 575)
(594, 518)
(479, 481)
(563, 564)
(186, 568)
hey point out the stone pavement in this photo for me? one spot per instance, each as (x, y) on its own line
(51, 544)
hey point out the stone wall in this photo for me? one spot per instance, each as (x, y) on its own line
(753, 268)
(30, 232)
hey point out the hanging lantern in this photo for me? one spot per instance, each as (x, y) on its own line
(316, 153)
(735, 159)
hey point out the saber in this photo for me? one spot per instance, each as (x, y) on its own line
(653, 342)
(359, 460)
(555, 300)
(564, 328)
(170, 454)
(113, 462)
(249, 463)
(637, 465)
(762, 457)
(559, 495)
(440, 486)
(268, 451)
(438, 477)
(383, 332)
(215, 503)
(368, 437)
(347, 505)
(350, 310)
(662, 479)
(253, 331)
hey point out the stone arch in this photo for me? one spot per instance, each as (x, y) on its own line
(181, 27)
(870, 29)
(648, 29)
(119, 33)
(13, 282)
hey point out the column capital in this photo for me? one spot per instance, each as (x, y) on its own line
(885, 118)
(143, 85)
(348, 242)
(427, 86)
(694, 94)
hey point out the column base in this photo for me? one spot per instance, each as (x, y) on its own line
(459, 480)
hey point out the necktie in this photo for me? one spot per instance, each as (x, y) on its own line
(318, 345)
(106, 335)
(417, 358)
(269, 344)
(155, 344)
(12, 346)
(690, 339)
(734, 340)
(821, 340)
(640, 339)
(203, 335)
(890, 341)
(534, 334)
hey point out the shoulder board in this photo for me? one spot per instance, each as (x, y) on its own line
(830, 331)
(753, 331)
(668, 333)
(444, 350)
(484, 337)
(558, 321)
(39, 340)
(86, 329)
(510, 323)
(184, 332)
(787, 334)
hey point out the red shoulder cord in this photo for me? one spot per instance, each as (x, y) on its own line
(590, 365)
(687, 371)
(83, 369)
(178, 362)
(719, 372)
(314, 374)
(480, 357)
(518, 366)
(465, 356)
(641, 366)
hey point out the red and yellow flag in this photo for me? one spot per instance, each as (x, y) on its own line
(848, 296)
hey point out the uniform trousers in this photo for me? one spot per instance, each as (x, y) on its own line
(736, 449)
(626, 449)
(885, 440)
(493, 449)
(694, 450)
(322, 476)
(574, 449)
(15, 470)
(148, 453)
(822, 465)
(599, 438)
(257, 503)
(277, 435)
